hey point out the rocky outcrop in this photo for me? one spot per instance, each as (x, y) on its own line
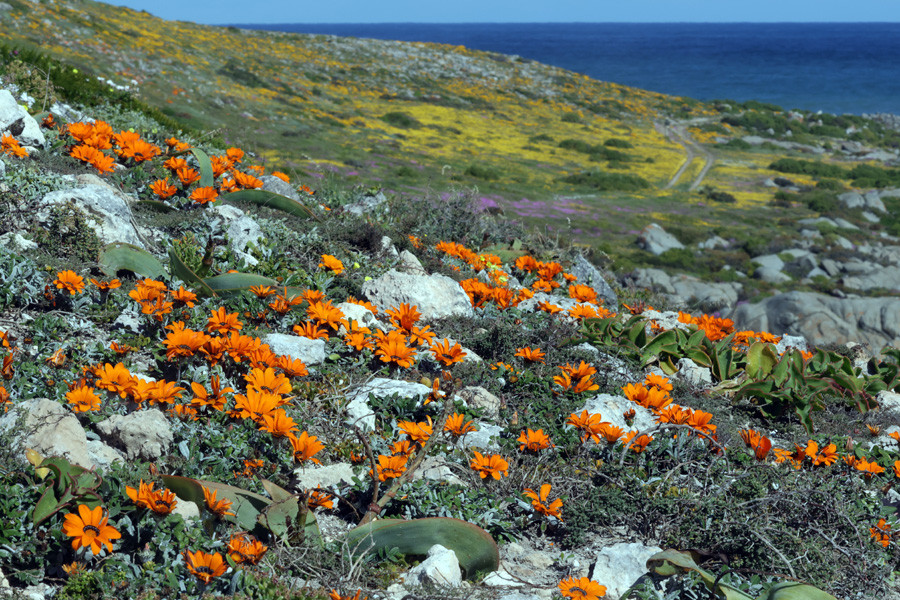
(686, 291)
(106, 210)
(656, 240)
(588, 274)
(436, 296)
(874, 322)
(16, 121)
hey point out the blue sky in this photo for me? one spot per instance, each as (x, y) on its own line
(535, 11)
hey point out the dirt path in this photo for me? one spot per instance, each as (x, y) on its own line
(677, 133)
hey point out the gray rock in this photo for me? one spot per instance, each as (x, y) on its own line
(686, 290)
(478, 397)
(106, 210)
(361, 315)
(15, 120)
(612, 407)
(656, 240)
(831, 267)
(440, 568)
(310, 352)
(873, 201)
(588, 274)
(437, 469)
(49, 428)
(768, 261)
(771, 275)
(188, 510)
(279, 186)
(712, 243)
(435, 296)
(410, 264)
(102, 455)
(871, 217)
(129, 320)
(821, 319)
(889, 402)
(143, 433)
(693, 374)
(619, 566)
(877, 278)
(14, 242)
(485, 438)
(240, 229)
(358, 410)
(844, 224)
(366, 204)
(328, 476)
(852, 200)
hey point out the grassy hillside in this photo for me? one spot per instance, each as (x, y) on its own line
(569, 155)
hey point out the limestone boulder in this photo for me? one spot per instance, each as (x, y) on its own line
(435, 296)
(16, 121)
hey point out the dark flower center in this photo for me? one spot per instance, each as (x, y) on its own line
(92, 528)
(205, 570)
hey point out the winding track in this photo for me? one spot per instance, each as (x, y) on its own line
(676, 132)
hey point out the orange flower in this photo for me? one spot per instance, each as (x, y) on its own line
(114, 379)
(531, 355)
(417, 432)
(235, 155)
(868, 468)
(404, 316)
(827, 456)
(90, 529)
(187, 176)
(583, 293)
(244, 548)
(186, 297)
(392, 348)
(105, 286)
(70, 281)
(421, 336)
(548, 308)
(639, 444)
(457, 425)
(493, 465)
(203, 566)
(83, 399)
(611, 433)
(588, 424)
(533, 441)
(581, 589)
(881, 533)
(254, 405)
(700, 421)
(223, 322)
(325, 314)
(540, 504)
(292, 367)
(332, 264)
(446, 355)
(10, 145)
(183, 342)
(204, 195)
(247, 181)
(658, 381)
(219, 507)
(760, 444)
(278, 424)
(316, 499)
(310, 330)
(305, 447)
(262, 291)
(281, 176)
(896, 467)
(390, 467)
(216, 399)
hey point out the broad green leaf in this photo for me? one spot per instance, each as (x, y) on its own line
(183, 272)
(791, 590)
(474, 547)
(206, 171)
(46, 506)
(670, 562)
(272, 200)
(229, 283)
(246, 505)
(120, 256)
(761, 359)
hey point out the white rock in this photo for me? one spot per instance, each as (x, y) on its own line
(692, 373)
(435, 296)
(143, 433)
(52, 431)
(310, 352)
(16, 120)
(440, 569)
(327, 476)
(619, 566)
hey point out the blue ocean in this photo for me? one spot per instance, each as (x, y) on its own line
(834, 67)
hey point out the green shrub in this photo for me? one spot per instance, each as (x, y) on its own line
(577, 146)
(401, 120)
(808, 167)
(238, 74)
(606, 182)
(738, 144)
(570, 118)
(870, 176)
(618, 143)
(830, 184)
(482, 172)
